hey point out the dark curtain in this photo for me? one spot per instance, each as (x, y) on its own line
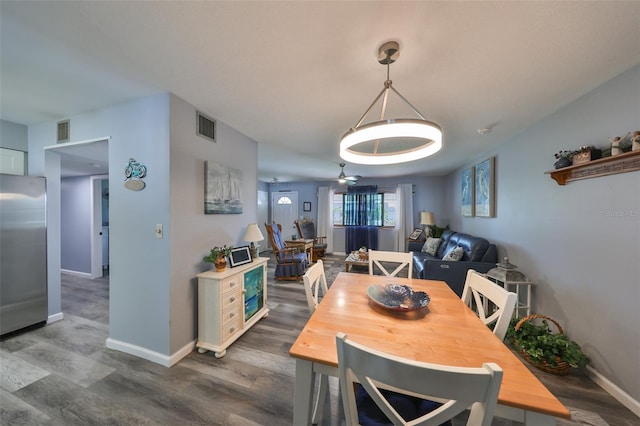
(360, 219)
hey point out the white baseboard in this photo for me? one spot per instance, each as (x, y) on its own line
(181, 353)
(158, 358)
(621, 396)
(54, 317)
(77, 273)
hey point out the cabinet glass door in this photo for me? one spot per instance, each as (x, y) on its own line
(254, 292)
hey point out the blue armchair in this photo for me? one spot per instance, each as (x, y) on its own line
(290, 263)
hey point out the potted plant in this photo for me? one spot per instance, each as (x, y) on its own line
(551, 352)
(436, 232)
(217, 256)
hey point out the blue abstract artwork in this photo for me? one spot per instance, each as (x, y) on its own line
(467, 192)
(484, 192)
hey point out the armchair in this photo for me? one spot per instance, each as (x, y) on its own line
(307, 231)
(290, 264)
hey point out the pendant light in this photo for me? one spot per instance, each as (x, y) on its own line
(390, 141)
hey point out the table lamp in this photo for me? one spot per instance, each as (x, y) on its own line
(426, 219)
(253, 234)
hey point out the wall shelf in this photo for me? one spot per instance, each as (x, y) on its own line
(622, 163)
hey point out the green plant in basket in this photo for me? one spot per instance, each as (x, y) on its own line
(540, 346)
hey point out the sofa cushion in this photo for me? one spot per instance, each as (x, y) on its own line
(431, 245)
(454, 254)
(444, 244)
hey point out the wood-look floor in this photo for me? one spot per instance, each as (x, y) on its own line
(62, 374)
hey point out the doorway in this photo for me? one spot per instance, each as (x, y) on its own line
(284, 210)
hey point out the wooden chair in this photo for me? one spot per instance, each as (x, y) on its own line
(492, 303)
(290, 263)
(315, 285)
(307, 231)
(402, 259)
(394, 385)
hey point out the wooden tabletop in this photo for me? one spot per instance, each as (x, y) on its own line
(448, 333)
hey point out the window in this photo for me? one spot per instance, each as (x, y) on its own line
(284, 200)
(383, 215)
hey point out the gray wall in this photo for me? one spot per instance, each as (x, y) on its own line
(579, 243)
(75, 224)
(13, 136)
(152, 306)
(139, 274)
(192, 233)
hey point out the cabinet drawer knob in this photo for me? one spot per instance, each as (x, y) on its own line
(232, 329)
(232, 314)
(232, 299)
(232, 284)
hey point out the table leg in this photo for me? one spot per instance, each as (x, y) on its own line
(303, 392)
(537, 419)
(347, 267)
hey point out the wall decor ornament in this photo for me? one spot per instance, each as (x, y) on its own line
(133, 173)
(485, 188)
(223, 189)
(467, 189)
(306, 206)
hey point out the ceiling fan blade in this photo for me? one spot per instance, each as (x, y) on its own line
(350, 182)
(354, 177)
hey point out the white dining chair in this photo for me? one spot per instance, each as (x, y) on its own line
(455, 388)
(493, 304)
(315, 286)
(400, 259)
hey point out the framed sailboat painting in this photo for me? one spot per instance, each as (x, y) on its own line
(223, 189)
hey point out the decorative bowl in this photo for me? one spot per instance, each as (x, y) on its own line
(398, 297)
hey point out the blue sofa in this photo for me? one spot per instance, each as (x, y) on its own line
(479, 255)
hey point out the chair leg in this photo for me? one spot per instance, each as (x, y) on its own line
(318, 406)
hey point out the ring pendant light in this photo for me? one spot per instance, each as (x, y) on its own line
(390, 141)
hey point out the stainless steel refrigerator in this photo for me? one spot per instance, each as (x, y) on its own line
(23, 252)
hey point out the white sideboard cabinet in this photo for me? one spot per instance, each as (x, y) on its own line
(229, 303)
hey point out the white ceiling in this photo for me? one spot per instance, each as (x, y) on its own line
(294, 76)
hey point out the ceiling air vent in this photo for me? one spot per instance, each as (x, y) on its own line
(206, 127)
(63, 131)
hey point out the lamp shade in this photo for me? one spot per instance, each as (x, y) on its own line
(253, 233)
(426, 218)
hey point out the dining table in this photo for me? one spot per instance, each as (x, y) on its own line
(446, 332)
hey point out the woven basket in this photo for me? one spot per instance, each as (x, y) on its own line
(562, 368)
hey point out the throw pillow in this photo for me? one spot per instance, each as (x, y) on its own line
(431, 246)
(455, 254)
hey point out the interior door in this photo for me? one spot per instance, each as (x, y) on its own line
(284, 210)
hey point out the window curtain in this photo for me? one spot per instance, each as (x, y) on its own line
(361, 222)
(404, 216)
(325, 198)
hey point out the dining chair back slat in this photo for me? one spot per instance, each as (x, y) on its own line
(493, 304)
(455, 388)
(398, 259)
(315, 286)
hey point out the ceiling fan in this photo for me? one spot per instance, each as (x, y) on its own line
(347, 180)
